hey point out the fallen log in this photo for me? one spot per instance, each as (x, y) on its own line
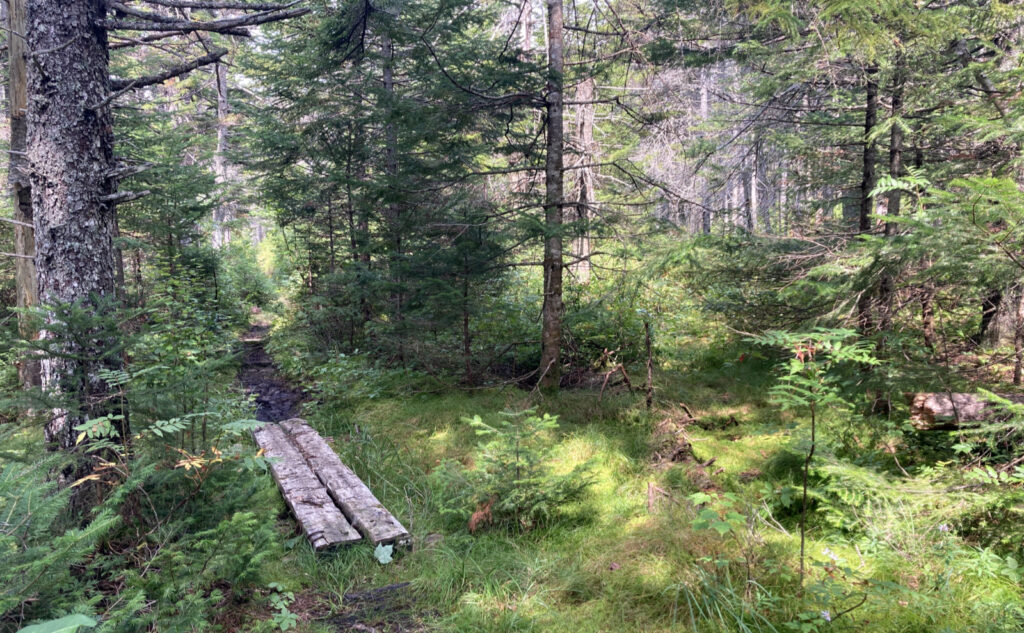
(321, 521)
(947, 411)
(357, 503)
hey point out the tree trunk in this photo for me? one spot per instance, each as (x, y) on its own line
(928, 316)
(70, 148)
(991, 305)
(526, 34)
(19, 178)
(467, 334)
(867, 185)
(224, 212)
(550, 369)
(747, 174)
(392, 210)
(887, 287)
(587, 153)
(1018, 337)
(359, 220)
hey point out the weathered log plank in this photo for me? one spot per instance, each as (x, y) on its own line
(321, 521)
(947, 411)
(359, 505)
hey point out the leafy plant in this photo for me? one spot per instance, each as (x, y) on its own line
(512, 483)
(280, 600)
(810, 380)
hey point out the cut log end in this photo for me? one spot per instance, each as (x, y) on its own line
(948, 411)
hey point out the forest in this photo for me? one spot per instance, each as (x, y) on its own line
(500, 316)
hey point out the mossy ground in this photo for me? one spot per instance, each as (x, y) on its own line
(625, 560)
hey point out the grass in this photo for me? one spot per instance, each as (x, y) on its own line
(609, 564)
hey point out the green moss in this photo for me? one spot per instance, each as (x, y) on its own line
(626, 558)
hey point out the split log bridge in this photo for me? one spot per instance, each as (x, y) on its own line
(332, 505)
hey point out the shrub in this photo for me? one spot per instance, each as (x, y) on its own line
(512, 484)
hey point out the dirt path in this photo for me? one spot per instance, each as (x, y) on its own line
(389, 609)
(275, 399)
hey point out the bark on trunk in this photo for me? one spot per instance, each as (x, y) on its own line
(526, 34)
(928, 316)
(224, 212)
(550, 369)
(393, 212)
(887, 287)
(70, 147)
(868, 181)
(1018, 338)
(991, 305)
(18, 175)
(587, 153)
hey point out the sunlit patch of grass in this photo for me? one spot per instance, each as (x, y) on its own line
(611, 564)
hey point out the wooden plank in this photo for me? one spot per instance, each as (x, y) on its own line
(321, 521)
(359, 505)
(946, 411)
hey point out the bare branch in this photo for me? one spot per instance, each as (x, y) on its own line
(213, 5)
(144, 15)
(126, 171)
(124, 196)
(123, 85)
(216, 26)
(10, 221)
(131, 41)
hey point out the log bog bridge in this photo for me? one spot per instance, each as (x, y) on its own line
(332, 505)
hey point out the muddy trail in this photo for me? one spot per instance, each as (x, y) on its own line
(389, 609)
(276, 400)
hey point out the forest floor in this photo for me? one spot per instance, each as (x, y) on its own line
(900, 552)
(386, 609)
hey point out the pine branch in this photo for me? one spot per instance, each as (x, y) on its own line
(154, 37)
(214, 6)
(123, 85)
(144, 15)
(216, 26)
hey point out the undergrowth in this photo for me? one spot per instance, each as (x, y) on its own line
(706, 543)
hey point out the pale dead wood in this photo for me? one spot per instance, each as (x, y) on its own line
(945, 411)
(321, 521)
(216, 26)
(355, 499)
(625, 377)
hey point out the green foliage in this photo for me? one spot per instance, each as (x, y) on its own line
(280, 599)
(606, 315)
(512, 482)
(708, 604)
(812, 375)
(37, 559)
(174, 534)
(246, 284)
(756, 283)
